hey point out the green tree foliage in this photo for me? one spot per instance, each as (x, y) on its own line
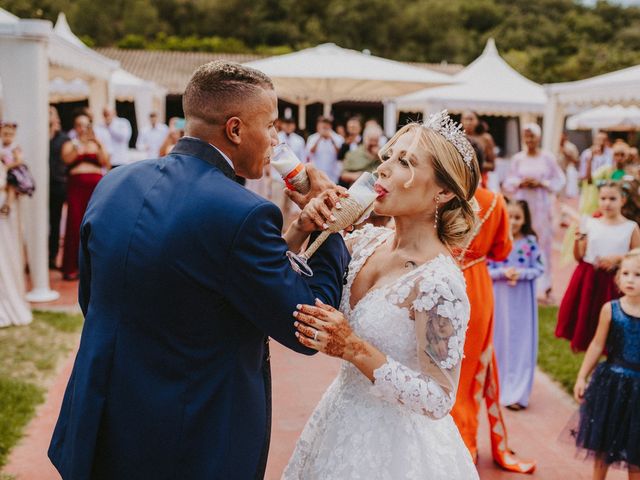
(546, 40)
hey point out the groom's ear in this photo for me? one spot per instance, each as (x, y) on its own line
(233, 129)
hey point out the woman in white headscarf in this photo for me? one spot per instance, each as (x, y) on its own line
(536, 177)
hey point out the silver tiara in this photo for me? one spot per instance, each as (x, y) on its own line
(452, 132)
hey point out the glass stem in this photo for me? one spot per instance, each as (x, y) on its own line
(320, 239)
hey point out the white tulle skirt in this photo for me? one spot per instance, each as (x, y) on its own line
(353, 434)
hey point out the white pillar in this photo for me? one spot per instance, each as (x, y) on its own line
(160, 105)
(143, 106)
(390, 117)
(326, 109)
(99, 97)
(512, 138)
(302, 115)
(24, 70)
(553, 124)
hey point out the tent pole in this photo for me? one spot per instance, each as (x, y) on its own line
(302, 115)
(553, 124)
(27, 104)
(390, 117)
(326, 109)
(99, 98)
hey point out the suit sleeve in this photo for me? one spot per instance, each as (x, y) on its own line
(262, 285)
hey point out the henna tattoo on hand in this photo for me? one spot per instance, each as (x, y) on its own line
(337, 342)
(359, 348)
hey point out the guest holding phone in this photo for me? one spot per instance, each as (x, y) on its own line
(176, 132)
(86, 158)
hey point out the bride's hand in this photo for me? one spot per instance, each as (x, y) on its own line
(317, 214)
(325, 329)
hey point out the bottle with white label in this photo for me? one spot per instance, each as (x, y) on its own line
(290, 168)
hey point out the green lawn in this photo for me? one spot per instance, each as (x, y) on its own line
(555, 356)
(29, 356)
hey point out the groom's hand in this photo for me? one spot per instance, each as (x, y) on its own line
(320, 184)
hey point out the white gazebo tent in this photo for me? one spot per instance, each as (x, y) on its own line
(147, 96)
(606, 118)
(99, 96)
(32, 53)
(616, 88)
(329, 74)
(489, 86)
(126, 87)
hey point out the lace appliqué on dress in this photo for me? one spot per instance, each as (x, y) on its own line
(421, 394)
(441, 313)
(388, 430)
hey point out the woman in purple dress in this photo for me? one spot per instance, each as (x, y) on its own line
(516, 310)
(536, 177)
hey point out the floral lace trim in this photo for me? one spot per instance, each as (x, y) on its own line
(441, 290)
(398, 384)
(442, 296)
(367, 239)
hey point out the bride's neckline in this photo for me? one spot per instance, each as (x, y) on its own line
(370, 251)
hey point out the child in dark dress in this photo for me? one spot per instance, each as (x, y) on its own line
(609, 427)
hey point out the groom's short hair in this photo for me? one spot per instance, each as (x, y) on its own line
(217, 90)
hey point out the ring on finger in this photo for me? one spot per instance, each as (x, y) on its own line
(315, 335)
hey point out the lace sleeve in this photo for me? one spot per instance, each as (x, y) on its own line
(441, 313)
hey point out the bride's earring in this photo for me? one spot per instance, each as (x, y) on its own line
(435, 222)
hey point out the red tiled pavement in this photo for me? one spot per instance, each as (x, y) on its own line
(298, 384)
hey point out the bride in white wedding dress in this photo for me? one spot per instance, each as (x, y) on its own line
(401, 325)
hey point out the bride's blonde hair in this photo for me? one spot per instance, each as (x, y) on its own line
(456, 217)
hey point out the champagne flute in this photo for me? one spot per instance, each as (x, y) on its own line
(355, 209)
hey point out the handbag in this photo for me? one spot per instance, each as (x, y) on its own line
(21, 179)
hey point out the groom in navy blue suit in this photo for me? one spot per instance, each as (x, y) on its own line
(183, 277)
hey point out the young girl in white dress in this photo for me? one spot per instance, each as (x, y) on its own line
(401, 325)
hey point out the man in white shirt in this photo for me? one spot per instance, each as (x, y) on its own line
(595, 157)
(353, 138)
(115, 134)
(152, 137)
(288, 135)
(323, 147)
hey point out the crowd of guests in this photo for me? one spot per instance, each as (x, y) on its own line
(511, 253)
(599, 310)
(78, 159)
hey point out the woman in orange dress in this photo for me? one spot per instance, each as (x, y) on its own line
(479, 375)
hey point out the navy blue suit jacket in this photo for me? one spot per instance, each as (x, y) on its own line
(183, 276)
